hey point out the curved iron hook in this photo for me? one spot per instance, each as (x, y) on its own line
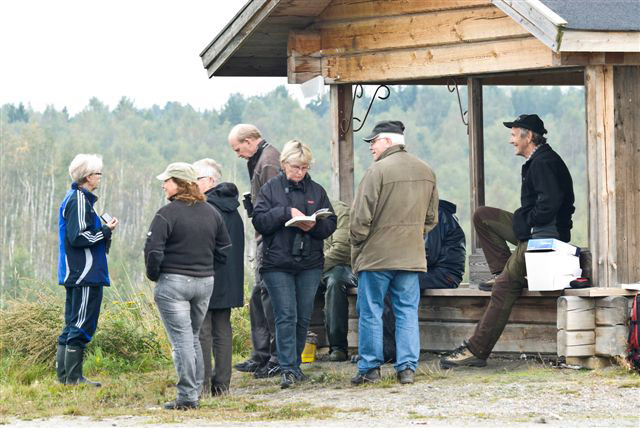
(455, 88)
(360, 95)
(345, 124)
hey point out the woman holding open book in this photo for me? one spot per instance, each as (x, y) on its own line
(292, 250)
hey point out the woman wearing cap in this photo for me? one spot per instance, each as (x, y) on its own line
(292, 256)
(186, 236)
(82, 266)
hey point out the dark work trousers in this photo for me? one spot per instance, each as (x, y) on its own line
(336, 305)
(494, 230)
(81, 312)
(216, 336)
(263, 323)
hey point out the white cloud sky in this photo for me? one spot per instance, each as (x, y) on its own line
(64, 52)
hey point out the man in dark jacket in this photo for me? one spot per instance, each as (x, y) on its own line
(546, 206)
(263, 162)
(228, 290)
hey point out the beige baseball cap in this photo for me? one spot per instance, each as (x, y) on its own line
(182, 170)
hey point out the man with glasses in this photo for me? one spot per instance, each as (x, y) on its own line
(396, 205)
(263, 162)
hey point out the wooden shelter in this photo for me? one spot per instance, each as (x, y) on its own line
(476, 42)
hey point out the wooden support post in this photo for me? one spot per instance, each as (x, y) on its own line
(476, 150)
(341, 143)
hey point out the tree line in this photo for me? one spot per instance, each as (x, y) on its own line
(136, 143)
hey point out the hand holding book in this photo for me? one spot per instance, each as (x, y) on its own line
(305, 222)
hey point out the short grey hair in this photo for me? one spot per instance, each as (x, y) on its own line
(83, 165)
(537, 138)
(208, 168)
(296, 151)
(242, 131)
(395, 138)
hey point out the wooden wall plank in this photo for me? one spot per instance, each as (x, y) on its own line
(412, 64)
(353, 9)
(627, 171)
(340, 98)
(418, 30)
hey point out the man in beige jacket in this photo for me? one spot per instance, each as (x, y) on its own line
(394, 208)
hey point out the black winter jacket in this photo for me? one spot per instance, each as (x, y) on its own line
(228, 290)
(546, 195)
(185, 239)
(273, 210)
(446, 251)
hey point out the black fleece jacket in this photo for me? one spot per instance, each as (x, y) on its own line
(273, 210)
(546, 196)
(185, 239)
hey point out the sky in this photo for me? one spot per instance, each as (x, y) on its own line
(65, 52)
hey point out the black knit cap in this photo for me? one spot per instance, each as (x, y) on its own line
(387, 126)
(528, 121)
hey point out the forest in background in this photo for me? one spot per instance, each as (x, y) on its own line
(137, 143)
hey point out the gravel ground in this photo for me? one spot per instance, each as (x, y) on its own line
(505, 393)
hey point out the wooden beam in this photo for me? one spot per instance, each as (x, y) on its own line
(417, 30)
(355, 9)
(303, 56)
(534, 19)
(341, 143)
(600, 41)
(626, 100)
(597, 58)
(453, 60)
(235, 33)
(601, 176)
(476, 149)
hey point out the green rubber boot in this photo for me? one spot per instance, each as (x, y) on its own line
(60, 370)
(73, 358)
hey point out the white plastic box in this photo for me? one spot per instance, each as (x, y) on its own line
(551, 264)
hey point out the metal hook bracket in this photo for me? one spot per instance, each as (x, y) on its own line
(345, 124)
(452, 86)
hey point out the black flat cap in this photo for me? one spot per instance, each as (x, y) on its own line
(528, 121)
(388, 126)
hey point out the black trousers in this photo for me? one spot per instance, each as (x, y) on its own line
(81, 312)
(263, 323)
(216, 337)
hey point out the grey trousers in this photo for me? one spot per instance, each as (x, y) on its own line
(183, 301)
(263, 323)
(216, 336)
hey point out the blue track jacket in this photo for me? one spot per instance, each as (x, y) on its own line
(82, 253)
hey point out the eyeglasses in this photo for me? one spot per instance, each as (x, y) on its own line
(299, 168)
(97, 173)
(204, 176)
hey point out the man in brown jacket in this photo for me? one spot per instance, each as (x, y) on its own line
(263, 161)
(394, 208)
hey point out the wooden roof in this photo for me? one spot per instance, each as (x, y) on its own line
(255, 41)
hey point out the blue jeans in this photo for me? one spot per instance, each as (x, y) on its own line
(292, 297)
(405, 296)
(183, 301)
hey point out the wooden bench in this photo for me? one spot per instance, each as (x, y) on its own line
(449, 316)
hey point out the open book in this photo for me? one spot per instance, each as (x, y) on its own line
(322, 213)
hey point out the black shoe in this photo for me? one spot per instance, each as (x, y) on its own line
(462, 356)
(372, 376)
(301, 377)
(73, 360)
(338, 355)
(249, 366)
(271, 369)
(406, 376)
(180, 405)
(288, 379)
(219, 389)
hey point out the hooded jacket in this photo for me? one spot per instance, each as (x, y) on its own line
(82, 253)
(273, 210)
(446, 250)
(228, 291)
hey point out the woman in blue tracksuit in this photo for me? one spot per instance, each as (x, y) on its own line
(82, 266)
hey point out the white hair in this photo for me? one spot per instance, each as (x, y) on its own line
(395, 138)
(83, 165)
(296, 151)
(208, 168)
(242, 131)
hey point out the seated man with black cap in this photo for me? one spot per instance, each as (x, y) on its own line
(546, 198)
